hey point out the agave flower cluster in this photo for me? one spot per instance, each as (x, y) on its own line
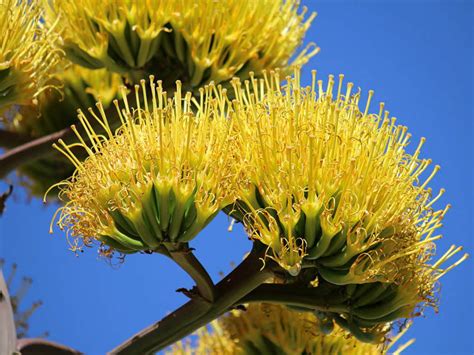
(274, 329)
(159, 179)
(194, 41)
(326, 183)
(27, 52)
(328, 187)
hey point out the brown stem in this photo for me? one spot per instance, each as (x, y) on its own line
(193, 315)
(30, 151)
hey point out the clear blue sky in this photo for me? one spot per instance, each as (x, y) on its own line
(416, 55)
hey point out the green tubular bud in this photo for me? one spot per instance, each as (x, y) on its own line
(340, 259)
(198, 73)
(121, 45)
(150, 211)
(366, 337)
(126, 241)
(389, 293)
(179, 46)
(189, 216)
(402, 312)
(148, 48)
(80, 57)
(371, 295)
(312, 226)
(168, 46)
(329, 231)
(123, 223)
(336, 245)
(165, 200)
(361, 290)
(382, 308)
(116, 245)
(351, 289)
(145, 231)
(320, 247)
(336, 277)
(201, 221)
(178, 215)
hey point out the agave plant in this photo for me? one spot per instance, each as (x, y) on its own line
(165, 113)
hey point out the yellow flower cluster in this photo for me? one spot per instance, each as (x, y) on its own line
(274, 329)
(27, 53)
(329, 188)
(193, 41)
(159, 178)
(327, 183)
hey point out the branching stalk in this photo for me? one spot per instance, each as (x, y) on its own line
(184, 257)
(193, 315)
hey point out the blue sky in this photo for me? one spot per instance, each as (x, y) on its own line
(416, 55)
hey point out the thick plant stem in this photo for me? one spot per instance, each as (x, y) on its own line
(193, 315)
(309, 298)
(184, 257)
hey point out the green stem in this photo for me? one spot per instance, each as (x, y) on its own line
(311, 298)
(190, 317)
(184, 257)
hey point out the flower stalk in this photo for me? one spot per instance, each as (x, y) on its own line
(248, 275)
(184, 257)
